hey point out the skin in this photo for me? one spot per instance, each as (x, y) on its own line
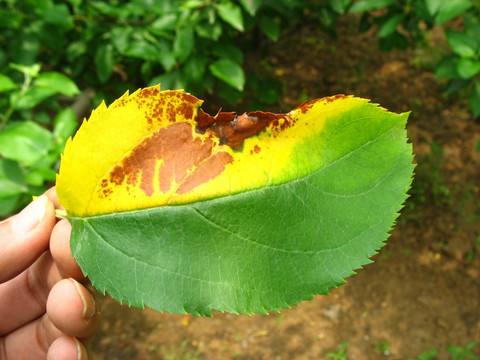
(46, 312)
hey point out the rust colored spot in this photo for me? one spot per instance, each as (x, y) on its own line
(257, 149)
(171, 113)
(206, 170)
(232, 130)
(185, 161)
(117, 175)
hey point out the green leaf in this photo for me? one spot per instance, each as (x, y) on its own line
(339, 6)
(58, 82)
(209, 31)
(6, 84)
(9, 19)
(142, 49)
(251, 6)
(34, 96)
(64, 125)
(230, 72)
(183, 43)
(461, 43)
(8, 205)
(58, 15)
(28, 70)
(450, 9)
(12, 181)
(390, 25)
(468, 68)
(433, 6)
(270, 27)
(228, 51)
(474, 100)
(366, 5)
(447, 67)
(104, 62)
(37, 177)
(25, 142)
(231, 14)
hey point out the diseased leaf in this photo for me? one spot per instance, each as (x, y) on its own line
(185, 212)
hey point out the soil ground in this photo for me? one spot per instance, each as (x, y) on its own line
(423, 290)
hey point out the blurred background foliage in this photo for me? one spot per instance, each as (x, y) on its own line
(59, 58)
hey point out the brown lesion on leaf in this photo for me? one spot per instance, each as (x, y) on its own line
(233, 129)
(166, 105)
(307, 105)
(173, 155)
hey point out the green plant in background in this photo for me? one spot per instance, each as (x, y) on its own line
(30, 141)
(403, 23)
(459, 353)
(383, 347)
(429, 355)
(197, 45)
(341, 353)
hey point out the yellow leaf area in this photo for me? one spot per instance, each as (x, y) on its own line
(154, 148)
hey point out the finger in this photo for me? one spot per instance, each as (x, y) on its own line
(30, 341)
(60, 250)
(33, 340)
(66, 348)
(52, 195)
(24, 298)
(25, 236)
(72, 309)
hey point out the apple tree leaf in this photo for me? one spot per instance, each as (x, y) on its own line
(181, 211)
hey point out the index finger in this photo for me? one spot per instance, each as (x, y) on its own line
(25, 236)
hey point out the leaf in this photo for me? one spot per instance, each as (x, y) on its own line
(339, 6)
(184, 43)
(185, 212)
(461, 43)
(6, 84)
(270, 27)
(251, 6)
(58, 82)
(367, 5)
(58, 15)
(25, 142)
(468, 68)
(104, 62)
(389, 26)
(447, 67)
(474, 100)
(449, 10)
(230, 72)
(33, 97)
(231, 14)
(64, 125)
(12, 181)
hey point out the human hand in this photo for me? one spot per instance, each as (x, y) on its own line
(45, 311)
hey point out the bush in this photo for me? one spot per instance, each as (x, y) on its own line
(402, 24)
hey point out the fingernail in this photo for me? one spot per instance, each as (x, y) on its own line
(81, 354)
(89, 307)
(28, 218)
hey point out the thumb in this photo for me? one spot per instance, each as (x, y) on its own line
(25, 236)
